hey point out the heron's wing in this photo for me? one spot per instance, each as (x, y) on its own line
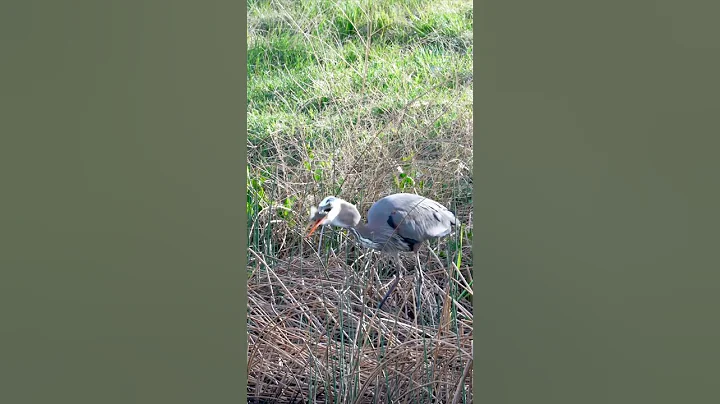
(412, 216)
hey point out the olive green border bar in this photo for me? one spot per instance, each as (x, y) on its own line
(596, 202)
(122, 219)
(242, 157)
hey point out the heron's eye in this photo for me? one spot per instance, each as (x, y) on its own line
(328, 209)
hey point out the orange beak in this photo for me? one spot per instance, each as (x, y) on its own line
(315, 226)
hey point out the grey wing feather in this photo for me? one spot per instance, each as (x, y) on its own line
(413, 217)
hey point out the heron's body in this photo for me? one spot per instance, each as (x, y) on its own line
(396, 223)
(402, 222)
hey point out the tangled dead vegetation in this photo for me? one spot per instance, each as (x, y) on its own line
(315, 335)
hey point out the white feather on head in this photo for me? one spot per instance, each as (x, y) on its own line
(327, 200)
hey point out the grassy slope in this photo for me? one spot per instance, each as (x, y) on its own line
(357, 99)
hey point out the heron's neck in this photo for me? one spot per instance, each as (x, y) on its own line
(364, 236)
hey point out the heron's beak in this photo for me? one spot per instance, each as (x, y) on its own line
(316, 217)
(315, 226)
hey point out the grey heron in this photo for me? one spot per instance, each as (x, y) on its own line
(396, 223)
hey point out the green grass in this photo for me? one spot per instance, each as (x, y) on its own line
(357, 99)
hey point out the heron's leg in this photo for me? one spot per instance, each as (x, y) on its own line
(442, 264)
(398, 264)
(420, 279)
(419, 268)
(398, 275)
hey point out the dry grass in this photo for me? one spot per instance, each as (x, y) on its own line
(312, 330)
(336, 107)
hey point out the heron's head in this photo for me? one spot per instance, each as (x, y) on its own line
(334, 211)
